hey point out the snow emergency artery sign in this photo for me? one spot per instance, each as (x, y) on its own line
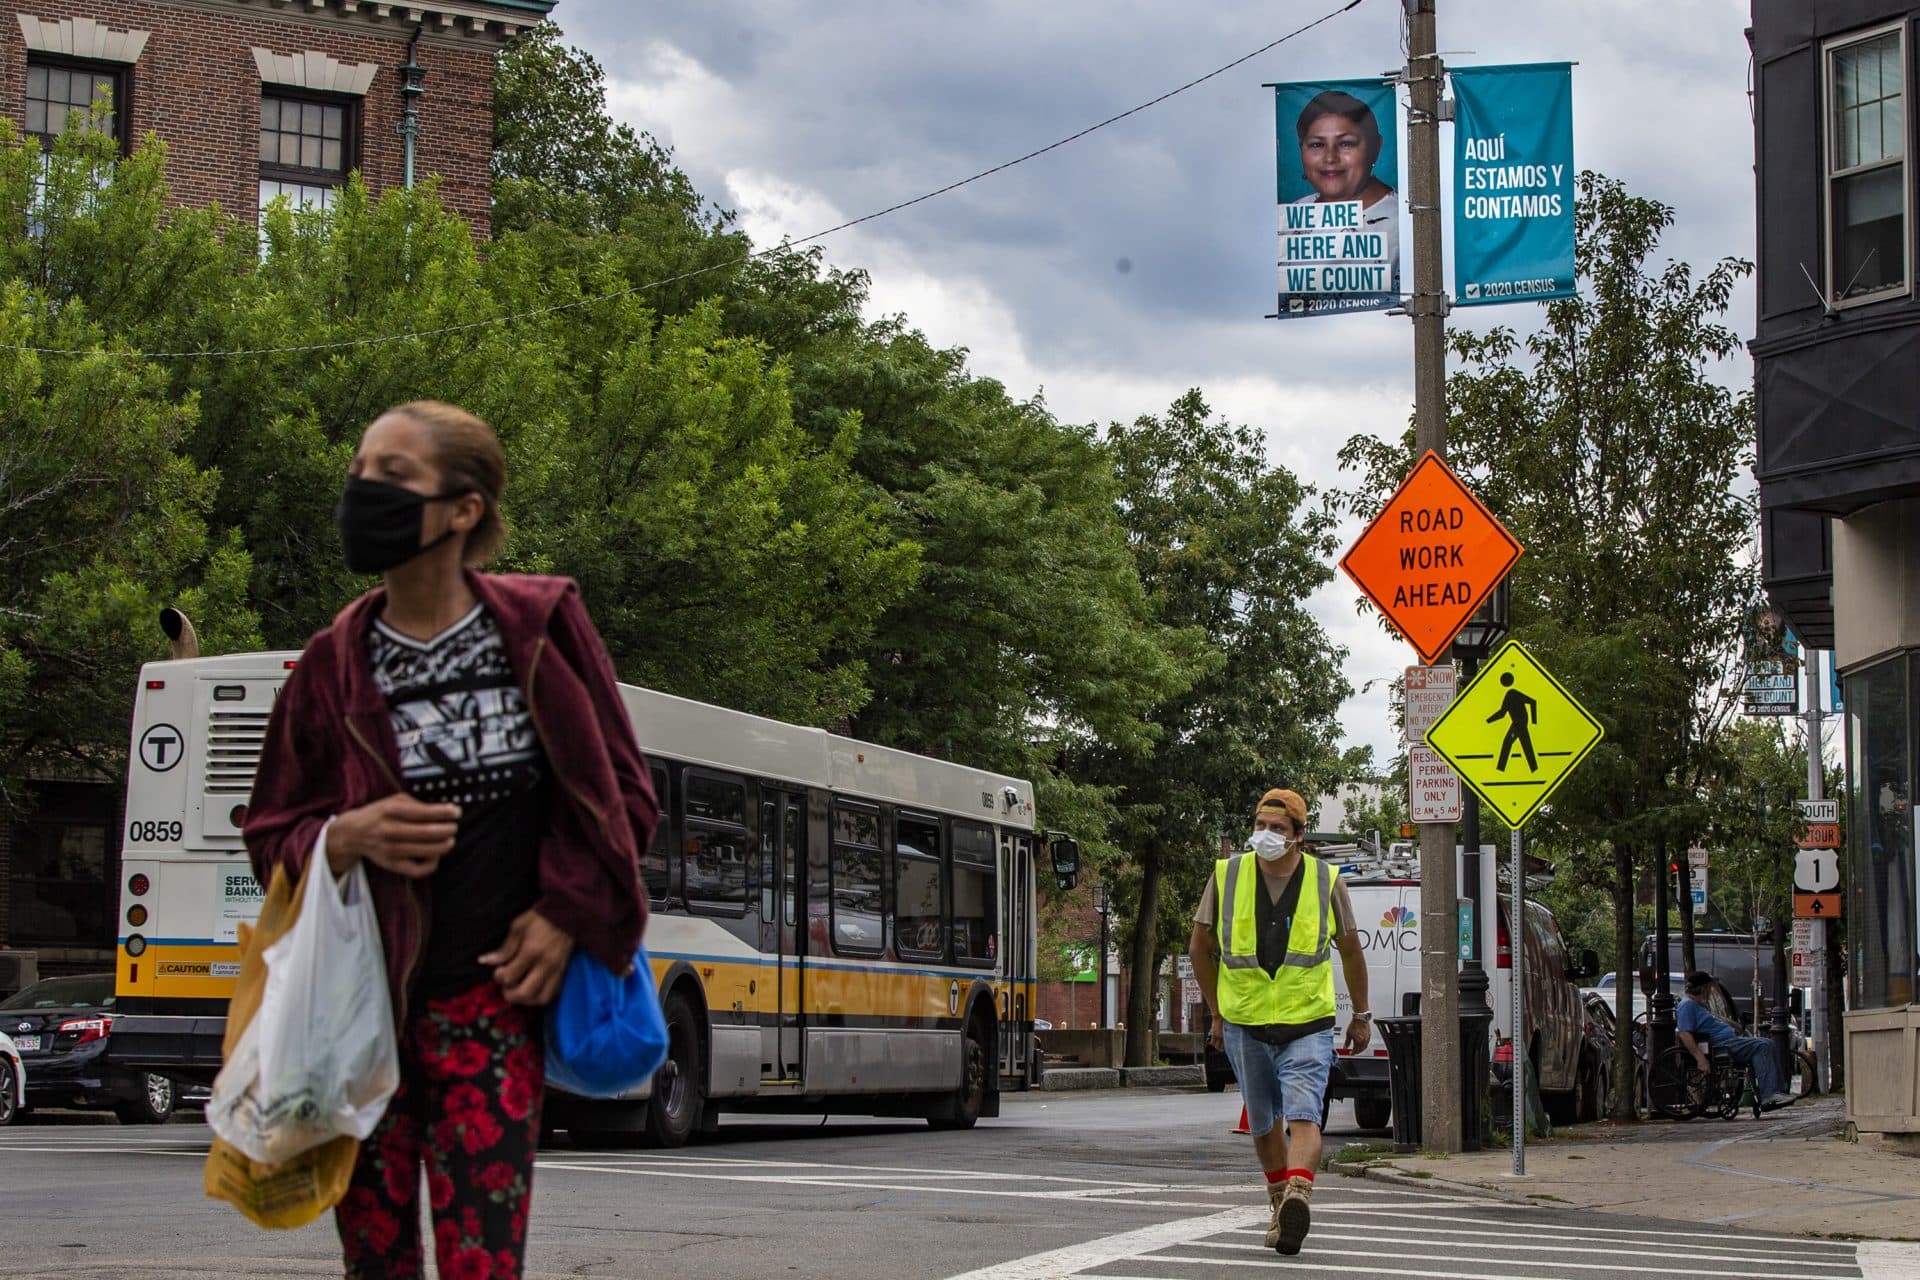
(1430, 557)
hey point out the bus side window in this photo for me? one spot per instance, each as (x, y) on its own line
(975, 894)
(655, 859)
(858, 866)
(769, 857)
(919, 890)
(716, 857)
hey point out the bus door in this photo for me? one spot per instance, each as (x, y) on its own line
(786, 813)
(1016, 945)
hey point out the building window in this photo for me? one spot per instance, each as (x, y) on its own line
(58, 91)
(306, 148)
(63, 869)
(1866, 166)
(1881, 917)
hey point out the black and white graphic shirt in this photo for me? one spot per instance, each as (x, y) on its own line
(463, 727)
(466, 737)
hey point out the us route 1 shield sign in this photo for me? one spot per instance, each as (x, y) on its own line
(1430, 557)
(1514, 734)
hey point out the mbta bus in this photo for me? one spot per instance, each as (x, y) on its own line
(837, 926)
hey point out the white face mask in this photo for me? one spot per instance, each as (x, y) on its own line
(1268, 846)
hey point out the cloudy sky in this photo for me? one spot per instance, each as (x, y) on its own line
(1114, 274)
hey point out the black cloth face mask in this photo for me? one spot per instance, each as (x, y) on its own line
(380, 524)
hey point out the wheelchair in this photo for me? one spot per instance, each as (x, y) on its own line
(1677, 1090)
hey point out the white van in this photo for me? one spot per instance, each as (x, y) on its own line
(1386, 904)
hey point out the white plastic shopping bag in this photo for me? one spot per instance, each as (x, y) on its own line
(320, 1058)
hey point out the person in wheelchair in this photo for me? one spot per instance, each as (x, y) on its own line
(1698, 1028)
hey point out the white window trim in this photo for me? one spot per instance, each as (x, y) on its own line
(1828, 125)
(315, 72)
(82, 38)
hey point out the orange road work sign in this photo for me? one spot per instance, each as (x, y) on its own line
(1430, 557)
(1816, 906)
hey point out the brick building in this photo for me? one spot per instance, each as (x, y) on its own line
(258, 98)
(254, 99)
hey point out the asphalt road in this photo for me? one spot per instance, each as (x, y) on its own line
(1128, 1185)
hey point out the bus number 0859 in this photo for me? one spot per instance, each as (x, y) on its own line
(156, 832)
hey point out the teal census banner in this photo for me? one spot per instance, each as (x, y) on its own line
(1337, 143)
(1513, 181)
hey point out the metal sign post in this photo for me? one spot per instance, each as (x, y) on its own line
(1517, 947)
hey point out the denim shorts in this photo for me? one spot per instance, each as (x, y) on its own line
(1280, 1082)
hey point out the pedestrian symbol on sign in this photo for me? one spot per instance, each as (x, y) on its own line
(1514, 711)
(1520, 711)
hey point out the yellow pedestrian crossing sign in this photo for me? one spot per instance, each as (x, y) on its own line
(1514, 734)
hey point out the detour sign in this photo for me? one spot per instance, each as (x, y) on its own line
(1430, 557)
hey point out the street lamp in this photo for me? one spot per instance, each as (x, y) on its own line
(1103, 903)
(1475, 644)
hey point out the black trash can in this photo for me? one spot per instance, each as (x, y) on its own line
(1476, 1081)
(1403, 1079)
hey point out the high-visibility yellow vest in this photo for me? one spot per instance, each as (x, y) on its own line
(1301, 990)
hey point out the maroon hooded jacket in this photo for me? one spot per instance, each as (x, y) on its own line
(330, 747)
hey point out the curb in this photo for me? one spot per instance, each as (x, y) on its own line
(1060, 1079)
(1394, 1177)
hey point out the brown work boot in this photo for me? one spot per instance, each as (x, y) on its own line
(1292, 1216)
(1276, 1193)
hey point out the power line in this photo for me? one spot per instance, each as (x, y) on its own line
(468, 326)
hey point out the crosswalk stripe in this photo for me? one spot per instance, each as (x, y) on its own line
(1554, 1250)
(1807, 1253)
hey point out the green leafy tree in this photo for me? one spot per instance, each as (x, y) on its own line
(103, 520)
(559, 157)
(1608, 446)
(1228, 548)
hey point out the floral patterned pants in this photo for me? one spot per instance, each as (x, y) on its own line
(472, 1068)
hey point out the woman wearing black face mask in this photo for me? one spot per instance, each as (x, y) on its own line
(461, 734)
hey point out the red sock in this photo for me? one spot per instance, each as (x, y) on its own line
(1275, 1176)
(1298, 1173)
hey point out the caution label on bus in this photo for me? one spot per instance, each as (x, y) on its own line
(199, 969)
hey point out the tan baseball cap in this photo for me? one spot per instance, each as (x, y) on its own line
(1282, 799)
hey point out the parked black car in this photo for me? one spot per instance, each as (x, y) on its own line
(62, 1027)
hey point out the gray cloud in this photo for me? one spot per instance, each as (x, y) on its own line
(826, 110)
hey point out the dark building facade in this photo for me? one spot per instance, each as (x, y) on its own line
(1837, 363)
(256, 100)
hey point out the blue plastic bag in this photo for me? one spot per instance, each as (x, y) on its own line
(605, 1035)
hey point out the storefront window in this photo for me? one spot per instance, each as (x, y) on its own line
(1881, 919)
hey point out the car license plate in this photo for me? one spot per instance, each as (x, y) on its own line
(27, 1044)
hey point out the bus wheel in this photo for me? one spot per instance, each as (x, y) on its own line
(679, 1090)
(964, 1108)
(153, 1106)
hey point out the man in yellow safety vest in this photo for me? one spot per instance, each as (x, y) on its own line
(1262, 951)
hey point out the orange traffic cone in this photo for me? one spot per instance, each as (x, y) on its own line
(1242, 1126)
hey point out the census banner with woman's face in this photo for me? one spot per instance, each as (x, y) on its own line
(1339, 178)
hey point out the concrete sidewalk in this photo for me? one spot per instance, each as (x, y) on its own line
(1790, 1171)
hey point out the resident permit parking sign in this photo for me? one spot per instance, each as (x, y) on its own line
(1514, 734)
(1430, 557)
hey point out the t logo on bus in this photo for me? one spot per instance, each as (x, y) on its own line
(160, 748)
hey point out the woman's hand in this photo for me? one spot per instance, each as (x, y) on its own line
(533, 959)
(405, 836)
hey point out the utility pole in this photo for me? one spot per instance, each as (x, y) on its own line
(1816, 790)
(1427, 305)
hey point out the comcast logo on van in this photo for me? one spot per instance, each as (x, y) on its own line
(1399, 918)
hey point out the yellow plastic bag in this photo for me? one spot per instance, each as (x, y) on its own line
(293, 1193)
